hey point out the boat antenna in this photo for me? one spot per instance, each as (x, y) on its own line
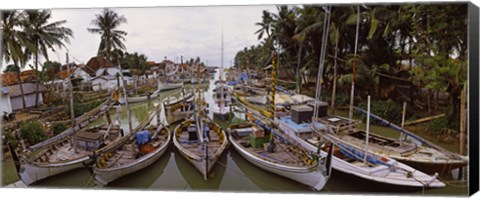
(350, 112)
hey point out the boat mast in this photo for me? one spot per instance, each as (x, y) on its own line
(72, 113)
(126, 99)
(326, 27)
(221, 75)
(350, 112)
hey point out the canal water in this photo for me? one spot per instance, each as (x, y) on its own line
(231, 173)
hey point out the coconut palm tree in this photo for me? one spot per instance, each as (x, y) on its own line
(14, 42)
(106, 24)
(44, 36)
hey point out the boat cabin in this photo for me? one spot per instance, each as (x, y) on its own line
(89, 141)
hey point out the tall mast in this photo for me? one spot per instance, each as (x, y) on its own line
(126, 99)
(323, 51)
(221, 83)
(350, 113)
(72, 113)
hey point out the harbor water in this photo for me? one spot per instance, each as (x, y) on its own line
(231, 173)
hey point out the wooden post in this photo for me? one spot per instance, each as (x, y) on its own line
(368, 131)
(463, 125)
(402, 135)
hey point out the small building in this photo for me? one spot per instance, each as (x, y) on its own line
(5, 103)
(107, 82)
(11, 87)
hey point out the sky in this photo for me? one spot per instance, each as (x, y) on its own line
(167, 31)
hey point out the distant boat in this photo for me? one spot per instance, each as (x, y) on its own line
(287, 159)
(181, 108)
(134, 152)
(142, 98)
(168, 85)
(66, 154)
(201, 142)
(222, 99)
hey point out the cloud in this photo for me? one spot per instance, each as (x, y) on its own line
(168, 31)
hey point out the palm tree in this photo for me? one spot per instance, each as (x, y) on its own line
(14, 41)
(106, 24)
(44, 36)
(265, 26)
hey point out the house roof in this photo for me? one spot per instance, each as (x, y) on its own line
(167, 62)
(28, 88)
(96, 63)
(28, 75)
(65, 73)
(9, 78)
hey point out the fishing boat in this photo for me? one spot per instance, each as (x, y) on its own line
(200, 141)
(66, 154)
(141, 98)
(253, 139)
(221, 95)
(171, 80)
(350, 159)
(179, 109)
(134, 152)
(423, 157)
(222, 100)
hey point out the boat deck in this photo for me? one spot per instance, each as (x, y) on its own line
(130, 152)
(283, 154)
(195, 147)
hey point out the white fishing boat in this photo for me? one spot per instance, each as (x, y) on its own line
(169, 85)
(349, 159)
(287, 159)
(221, 95)
(66, 154)
(171, 80)
(141, 98)
(181, 108)
(134, 152)
(429, 159)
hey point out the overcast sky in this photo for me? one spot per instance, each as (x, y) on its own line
(168, 31)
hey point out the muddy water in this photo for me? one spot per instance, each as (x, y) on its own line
(231, 173)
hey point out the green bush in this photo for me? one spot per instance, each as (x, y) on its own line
(58, 128)
(388, 110)
(81, 108)
(32, 132)
(10, 138)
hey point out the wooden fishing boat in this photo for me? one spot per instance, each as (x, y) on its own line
(134, 152)
(201, 142)
(66, 154)
(286, 159)
(350, 159)
(181, 108)
(428, 158)
(140, 98)
(169, 85)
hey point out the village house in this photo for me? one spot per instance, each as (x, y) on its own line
(11, 96)
(104, 74)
